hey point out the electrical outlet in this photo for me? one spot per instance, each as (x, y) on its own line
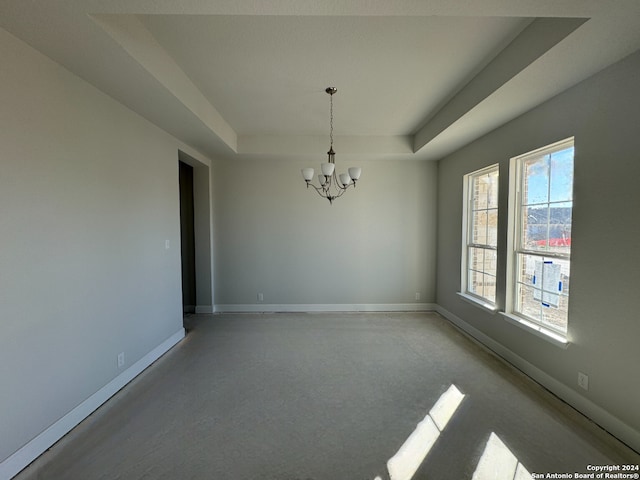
(121, 360)
(260, 297)
(417, 295)
(583, 380)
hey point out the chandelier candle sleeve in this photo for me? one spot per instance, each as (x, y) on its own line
(354, 173)
(327, 169)
(331, 185)
(307, 173)
(345, 179)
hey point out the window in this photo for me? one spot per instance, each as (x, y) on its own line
(480, 235)
(539, 261)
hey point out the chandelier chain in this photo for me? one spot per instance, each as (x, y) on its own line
(331, 120)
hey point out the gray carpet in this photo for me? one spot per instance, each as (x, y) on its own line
(320, 396)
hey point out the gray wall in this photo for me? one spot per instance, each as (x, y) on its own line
(603, 113)
(88, 196)
(374, 245)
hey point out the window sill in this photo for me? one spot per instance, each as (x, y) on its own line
(477, 302)
(541, 332)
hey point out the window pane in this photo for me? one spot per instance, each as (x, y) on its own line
(480, 192)
(565, 276)
(527, 305)
(476, 258)
(489, 287)
(561, 173)
(557, 277)
(493, 190)
(530, 272)
(482, 273)
(550, 317)
(526, 268)
(475, 283)
(490, 261)
(543, 286)
(556, 318)
(560, 227)
(535, 222)
(547, 228)
(492, 227)
(536, 180)
(479, 234)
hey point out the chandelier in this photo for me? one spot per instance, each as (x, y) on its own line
(331, 185)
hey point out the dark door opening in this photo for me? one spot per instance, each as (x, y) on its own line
(187, 237)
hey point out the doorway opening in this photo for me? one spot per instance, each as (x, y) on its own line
(195, 235)
(187, 238)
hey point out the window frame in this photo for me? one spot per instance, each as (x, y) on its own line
(467, 239)
(515, 243)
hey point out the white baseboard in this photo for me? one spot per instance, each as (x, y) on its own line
(322, 307)
(13, 464)
(204, 309)
(609, 422)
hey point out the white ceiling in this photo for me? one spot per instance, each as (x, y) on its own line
(415, 79)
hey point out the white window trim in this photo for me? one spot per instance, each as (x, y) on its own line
(555, 337)
(464, 293)
(478, 302)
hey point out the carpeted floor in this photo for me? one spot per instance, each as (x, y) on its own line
(321, 397)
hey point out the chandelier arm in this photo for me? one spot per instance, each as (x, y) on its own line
(335, 179)
(341, 190)
(325, 191)
(319, 190)
(327, 187)
(350, 185)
